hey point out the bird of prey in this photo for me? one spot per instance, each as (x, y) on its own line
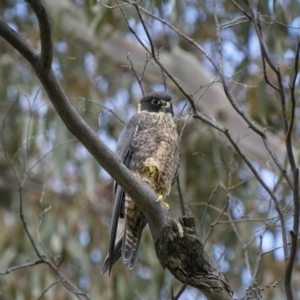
(149, 148)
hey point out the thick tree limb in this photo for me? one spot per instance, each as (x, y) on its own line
(180, 250)
(173, 240)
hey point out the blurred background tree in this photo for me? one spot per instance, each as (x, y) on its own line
(67, 196)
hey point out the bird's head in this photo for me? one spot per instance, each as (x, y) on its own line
(156, 102)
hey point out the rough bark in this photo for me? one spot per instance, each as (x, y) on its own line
(180, 250)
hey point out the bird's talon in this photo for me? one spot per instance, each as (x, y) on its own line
(160, 197)
(166, 205)
(151, 171)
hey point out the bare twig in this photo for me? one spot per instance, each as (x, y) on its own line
(253, 19)
(219, 39)
(9, 160)
(242, 10)
(234, 22)
(212, 225)
(215, 208)
(153, 53)
(98, 104)
(206, 207)
(139, 80)
(295, 232)
(254, 171)
(277, 162)
(258, 261)
(43, 212)
(119, 5)
(48, 288)
(249, 220)
(20, 190)
(205, 88)
(68, 285)
(289, 146)
(180, 292)
(46, 154)
(294, 240)
(279, 23)
(21, 266)
(265, 56)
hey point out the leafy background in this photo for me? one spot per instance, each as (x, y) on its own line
(67, 196)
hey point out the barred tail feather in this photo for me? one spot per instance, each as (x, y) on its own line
(131, 241)
(116, 255)
(128, 240)
(134, 224)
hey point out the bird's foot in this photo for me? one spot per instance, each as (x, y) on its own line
(166, 205)
(161, 198)
(151, 171)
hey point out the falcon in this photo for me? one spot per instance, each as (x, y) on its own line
(149, 147)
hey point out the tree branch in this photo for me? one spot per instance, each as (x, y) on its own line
(204, 276)
(22, 266)
(294, 240)
(154, 55)
(20, 44)
(46, 55)
(295, 232)
(180, 250)
(289, 146)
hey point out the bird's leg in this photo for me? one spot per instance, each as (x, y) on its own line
(166, 205)
(160, 197)
(152, 172)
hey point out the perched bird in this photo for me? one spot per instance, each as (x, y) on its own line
(149, 147)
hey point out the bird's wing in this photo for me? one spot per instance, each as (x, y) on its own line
(122, 151)
(176, 162)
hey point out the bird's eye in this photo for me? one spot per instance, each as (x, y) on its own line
(155, 101)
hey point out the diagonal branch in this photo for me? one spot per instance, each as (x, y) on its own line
(20, 44)
(46, 56)
(165, 232)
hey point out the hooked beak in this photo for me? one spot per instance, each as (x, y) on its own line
(167, 107)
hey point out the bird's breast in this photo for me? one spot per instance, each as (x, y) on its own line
(161, 119)
(155, 147)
